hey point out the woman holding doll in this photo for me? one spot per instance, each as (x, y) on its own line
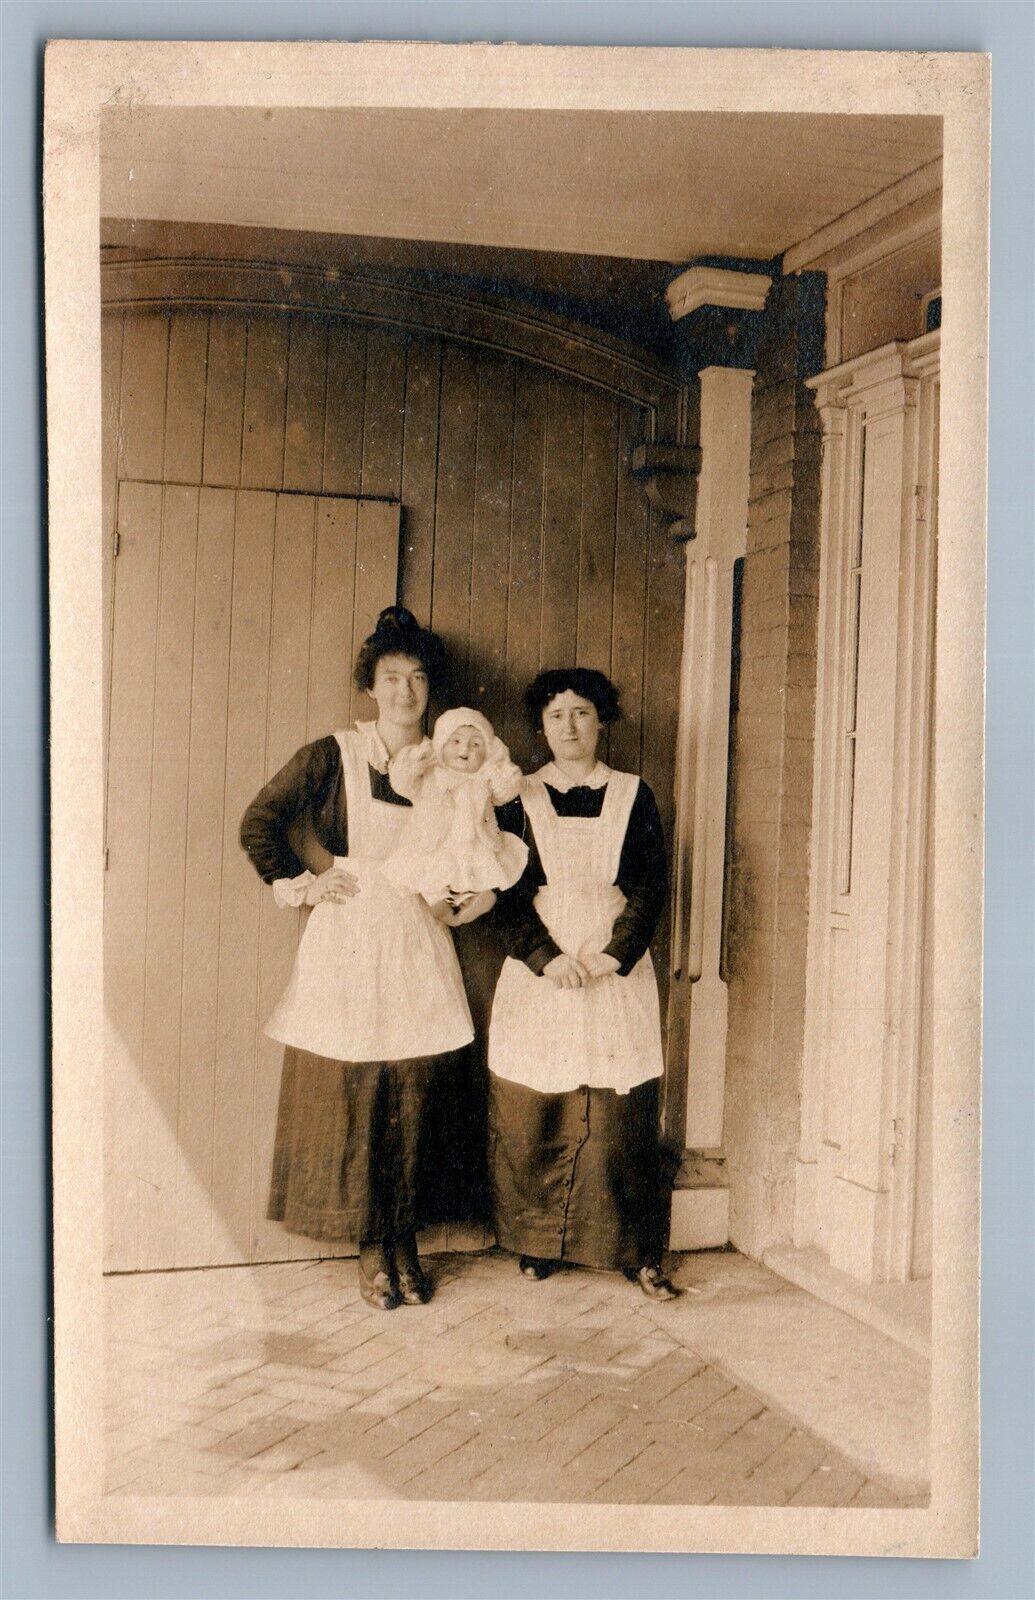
(575, 1056)
(375, 1015)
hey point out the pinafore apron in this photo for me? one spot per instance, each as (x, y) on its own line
(608, 1033)
(375, 977)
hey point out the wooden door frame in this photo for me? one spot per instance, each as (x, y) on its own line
(896, 386)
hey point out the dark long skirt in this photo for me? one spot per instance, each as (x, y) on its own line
(369, 1151)
(578, 1177)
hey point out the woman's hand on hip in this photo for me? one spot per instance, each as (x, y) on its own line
(600, 965)
(334, 884)
(566, 973)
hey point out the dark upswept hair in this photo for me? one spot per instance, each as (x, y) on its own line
(586, 682)
(398, 633)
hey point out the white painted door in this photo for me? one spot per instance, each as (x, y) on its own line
(863, 1167)
(235, 620)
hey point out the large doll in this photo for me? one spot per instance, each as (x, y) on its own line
(451, 847)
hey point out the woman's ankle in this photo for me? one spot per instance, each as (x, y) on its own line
(375, 1256)
(405, 1251)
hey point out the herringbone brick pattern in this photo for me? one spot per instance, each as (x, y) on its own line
(279, 1380)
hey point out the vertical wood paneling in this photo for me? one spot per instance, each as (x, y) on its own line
(665, 586)
(628, 636)
(306, 402)
(158, 1152)
(201, 898)
(377, 576)
(145, 346)
(334, 595)
(664, 610)
(597, 545)
(184, 417)
(384, 406)
(290, 630)
(525, 592)
(241, 890)
(129, 816)
(203, 635)
(490, 564)
(265, 395)
(419, 466)
(224, 399)
(343, 425)
(562, 525)
(526, 543)
(454, 510)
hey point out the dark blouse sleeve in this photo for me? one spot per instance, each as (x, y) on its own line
(643, 879)
(274, 831)
(515, 920)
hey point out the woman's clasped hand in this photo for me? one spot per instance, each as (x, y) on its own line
(574, 972)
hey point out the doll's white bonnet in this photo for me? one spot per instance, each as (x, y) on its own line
(465, 717)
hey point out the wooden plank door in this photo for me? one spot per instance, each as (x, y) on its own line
(235, 620)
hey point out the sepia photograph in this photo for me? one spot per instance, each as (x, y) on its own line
(517, 682)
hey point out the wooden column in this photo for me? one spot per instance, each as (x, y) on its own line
(721, 538)
(701, 1212)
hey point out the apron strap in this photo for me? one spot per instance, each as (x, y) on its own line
(543, 818)
(611, 825)
(622, 788)
(357, 788)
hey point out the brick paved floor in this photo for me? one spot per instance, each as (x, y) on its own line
(279, 1380)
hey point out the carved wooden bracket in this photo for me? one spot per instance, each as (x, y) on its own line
(669, 476)
(719, 311)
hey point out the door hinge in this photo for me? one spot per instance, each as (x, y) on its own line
(116, 543)
(106, 855)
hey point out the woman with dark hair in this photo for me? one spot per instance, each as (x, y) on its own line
(375, 1011)
(575, 1038)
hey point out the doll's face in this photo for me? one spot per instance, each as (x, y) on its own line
(464, 750)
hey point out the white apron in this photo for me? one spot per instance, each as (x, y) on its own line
(607, 1034)
(376, 977)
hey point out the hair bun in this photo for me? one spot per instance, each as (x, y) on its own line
(398, 633)
(396, 620)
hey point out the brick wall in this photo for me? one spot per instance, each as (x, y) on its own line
(773, 744)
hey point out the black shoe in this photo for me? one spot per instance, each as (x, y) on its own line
(376, 1281)
(535, 1267)
(415, 1287)
(653, 1282)
(414, 1284)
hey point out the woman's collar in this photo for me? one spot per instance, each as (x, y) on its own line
(373, 746)
(560, 781)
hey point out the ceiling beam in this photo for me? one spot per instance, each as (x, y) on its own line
(820, 249)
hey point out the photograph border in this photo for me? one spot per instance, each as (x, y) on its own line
(33, 1562)
(80, 79)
